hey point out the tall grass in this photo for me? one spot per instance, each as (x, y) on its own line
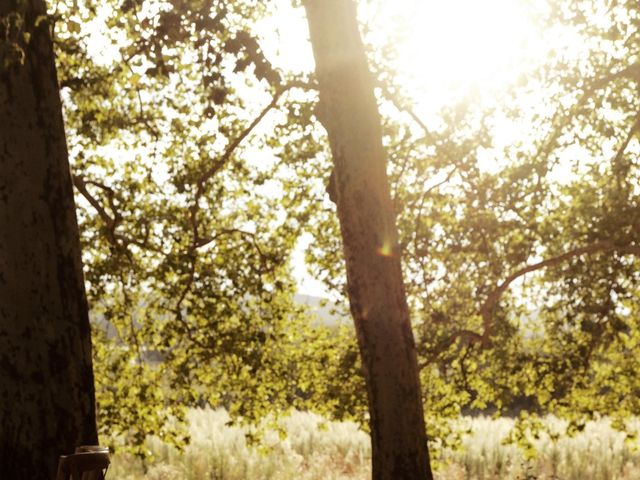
(597, 453)
(311, 449)
(314, 448)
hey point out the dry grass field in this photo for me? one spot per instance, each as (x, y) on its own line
(316, 449)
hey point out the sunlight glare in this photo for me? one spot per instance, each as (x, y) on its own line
(459, 45)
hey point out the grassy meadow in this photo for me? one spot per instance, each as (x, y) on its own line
(314, 448)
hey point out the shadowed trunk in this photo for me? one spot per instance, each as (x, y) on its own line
(359, 186)
(47, 401)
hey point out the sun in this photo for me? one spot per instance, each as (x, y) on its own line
(441, 46)
(451, 45)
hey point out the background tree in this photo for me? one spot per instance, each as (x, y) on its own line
(359, 186)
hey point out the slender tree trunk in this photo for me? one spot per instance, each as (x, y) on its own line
(47, 400)
(360, 188)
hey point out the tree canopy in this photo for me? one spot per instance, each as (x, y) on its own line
(198, 164)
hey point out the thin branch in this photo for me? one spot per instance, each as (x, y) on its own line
(230, 231)
(81, 185)
(632, 131)
(211, 171)
(118, 240)
(561, 119)
(229, 151)
(418, 217)
(632, 72)
(461, 334)
(130, 308)
(488, 307)
(221, 162)
(197, 241)
(185, 291)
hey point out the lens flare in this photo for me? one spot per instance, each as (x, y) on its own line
(386, 250)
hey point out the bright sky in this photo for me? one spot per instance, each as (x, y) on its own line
(445, 50)
(444, 47)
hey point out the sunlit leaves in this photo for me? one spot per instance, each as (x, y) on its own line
(186, 237)
(479, 212)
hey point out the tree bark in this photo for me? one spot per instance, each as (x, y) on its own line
(47, 400)
(347, 108)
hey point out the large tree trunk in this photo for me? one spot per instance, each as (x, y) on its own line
(359, 185)
(47, 400)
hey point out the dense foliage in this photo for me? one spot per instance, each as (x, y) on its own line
(186, 235)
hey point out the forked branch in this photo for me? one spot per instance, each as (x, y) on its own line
(488, 307)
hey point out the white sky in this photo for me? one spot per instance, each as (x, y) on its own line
(444, 47)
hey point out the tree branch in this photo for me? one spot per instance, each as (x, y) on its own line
(218, 164)
(488, 307)
(221, 162)
(631, 72)
(81, 185)
(118, 240)
(231, 148)
(630, 134)
(408, 110)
